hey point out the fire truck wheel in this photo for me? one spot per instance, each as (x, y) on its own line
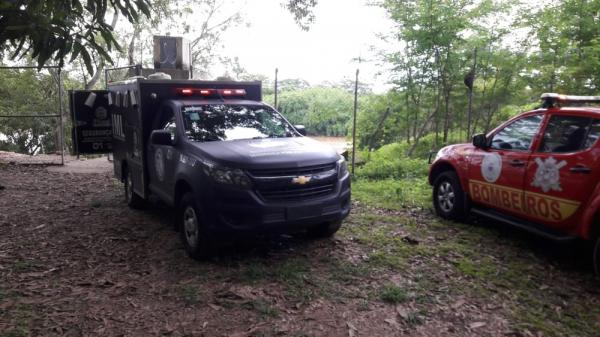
(448, 196)
(194, 235)
(325, 230)
(596, 259)
(133, 199)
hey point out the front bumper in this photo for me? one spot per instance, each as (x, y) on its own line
(243, 211)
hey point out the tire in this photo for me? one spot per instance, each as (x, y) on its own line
(193, 233)
(132, 199)
(596, 257)
(449, 197)
(325, 230)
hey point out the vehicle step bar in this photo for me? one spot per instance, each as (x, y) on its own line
(530, 227)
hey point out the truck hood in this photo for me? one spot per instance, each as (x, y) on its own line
(268, 152)
(454, 150)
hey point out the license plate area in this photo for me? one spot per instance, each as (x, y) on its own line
(297, 213)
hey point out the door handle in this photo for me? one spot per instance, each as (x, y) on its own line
(580, 169)
(516, 162)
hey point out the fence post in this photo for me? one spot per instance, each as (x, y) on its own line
(60, 113)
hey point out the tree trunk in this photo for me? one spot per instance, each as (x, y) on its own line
(100, 69)
(379, 126)
(421, 131)
(131, 48)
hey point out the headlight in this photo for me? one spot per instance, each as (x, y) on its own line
(225, 175)
(342, 168)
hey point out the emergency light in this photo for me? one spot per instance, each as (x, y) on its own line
(212, 92)
(551, 100)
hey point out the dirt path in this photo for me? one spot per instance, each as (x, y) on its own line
(75, 261)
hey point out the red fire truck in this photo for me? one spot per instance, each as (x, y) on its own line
(539, 171)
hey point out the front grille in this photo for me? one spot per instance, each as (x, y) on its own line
(296, 193)
(295, 171)
(276, 184)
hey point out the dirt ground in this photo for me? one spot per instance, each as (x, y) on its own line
(75, 261)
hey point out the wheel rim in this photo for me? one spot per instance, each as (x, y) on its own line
(190, 226)
(445, 196)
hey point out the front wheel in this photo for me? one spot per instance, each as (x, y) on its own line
(596, 259)
(194, 235)
(448, 196)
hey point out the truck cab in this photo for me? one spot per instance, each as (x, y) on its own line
(229, 163)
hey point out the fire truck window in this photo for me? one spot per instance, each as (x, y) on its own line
(518, 135)
(565, 134)
(216, 122)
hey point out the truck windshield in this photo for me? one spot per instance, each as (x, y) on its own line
(214, 122)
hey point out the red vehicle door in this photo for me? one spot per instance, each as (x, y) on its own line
(497, 175)
(564, 170)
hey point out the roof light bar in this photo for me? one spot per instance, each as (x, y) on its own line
(211, 92)
(232, 92)
(185, 91)
(551, 99)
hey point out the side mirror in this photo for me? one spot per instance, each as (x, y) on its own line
(161, 137)
(301, 129)
(480, 141)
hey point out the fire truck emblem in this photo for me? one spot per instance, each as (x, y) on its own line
(301, 180)
(159, 165)
(547, 176)
(491, 167)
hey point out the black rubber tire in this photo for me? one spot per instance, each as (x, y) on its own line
(596, 256)
(449, 197)
(200, 245)
(132, 199)
(325, 230)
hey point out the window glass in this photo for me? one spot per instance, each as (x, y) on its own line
(593, 134)
(518, 135)
(565, 134)
(216, 122)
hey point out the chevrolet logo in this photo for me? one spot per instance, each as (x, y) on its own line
(301, 180)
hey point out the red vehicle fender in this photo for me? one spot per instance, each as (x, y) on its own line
(453, 157)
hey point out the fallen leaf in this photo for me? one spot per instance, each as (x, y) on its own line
(402, 311)
(215, 307)
(391, 321)
(458, 304)
(476, 325)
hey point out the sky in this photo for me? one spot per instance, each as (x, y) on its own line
(343, 31)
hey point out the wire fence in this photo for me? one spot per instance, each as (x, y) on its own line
(29, 135)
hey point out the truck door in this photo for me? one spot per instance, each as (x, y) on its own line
(162, 159)
(497, 175)
(91, 120)
(563, 171)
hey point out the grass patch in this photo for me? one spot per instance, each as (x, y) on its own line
(392, 294)
(393, 193)
(15, 333)
(483, 269)
(24, 265)
(414, 318)
(191, 294)
(262, 308)
(344, 271)
(20, 316)
(295, 274)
